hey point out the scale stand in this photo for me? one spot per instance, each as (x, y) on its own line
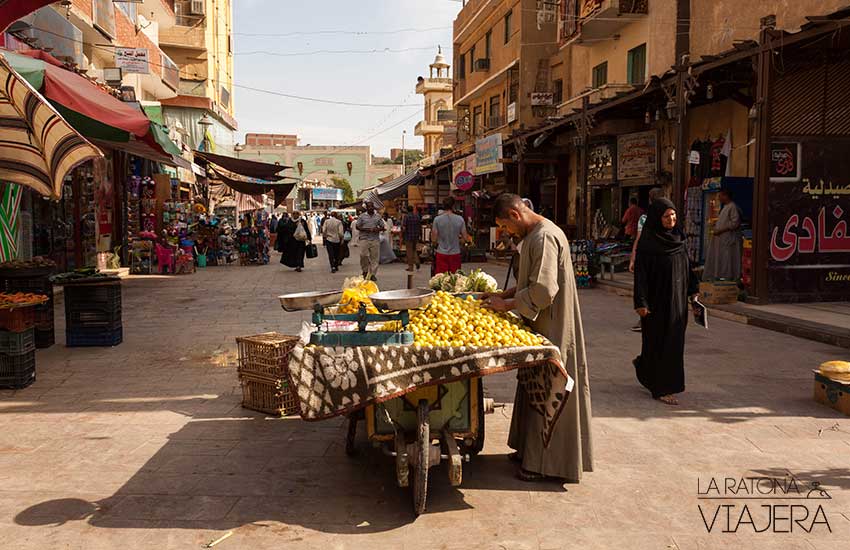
(360, 337)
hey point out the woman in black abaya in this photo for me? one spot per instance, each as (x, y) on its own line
(663, 282)
(292, 249)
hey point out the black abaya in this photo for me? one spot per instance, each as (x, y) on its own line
(292, 250)
(663, 282)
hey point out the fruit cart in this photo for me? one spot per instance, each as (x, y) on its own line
(421, 428)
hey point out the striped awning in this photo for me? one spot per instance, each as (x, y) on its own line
(37, 146)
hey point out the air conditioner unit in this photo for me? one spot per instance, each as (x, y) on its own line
(482, 64)
(197, 7)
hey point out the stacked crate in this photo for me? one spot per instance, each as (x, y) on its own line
(36, 281)
(93, 314)
(264, 373)
(17, 350)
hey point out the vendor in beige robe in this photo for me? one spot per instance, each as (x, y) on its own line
(723, 259)
(546, 297)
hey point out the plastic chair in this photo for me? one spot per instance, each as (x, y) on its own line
(165, 258)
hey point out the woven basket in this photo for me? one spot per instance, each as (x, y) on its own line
(268, 395)
(265, 355)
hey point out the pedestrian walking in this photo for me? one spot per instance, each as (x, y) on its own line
(293, 236)
(333, 233)
(447, 232)
(654, 194)
(411, 230)
(546, 296)
(631, 218)
(663, 282)
(369, 226)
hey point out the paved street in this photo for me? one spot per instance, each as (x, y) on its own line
(146, 446)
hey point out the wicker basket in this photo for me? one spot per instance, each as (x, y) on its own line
(269, 395)
(265, 355)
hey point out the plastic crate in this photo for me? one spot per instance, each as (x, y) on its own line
(265, 354)
(37, 285)
(17, 343)
(107, 293)
(17, 319)
(17, 371)
(83, 338)
(268, 395)
(93, 316)
(44, 338)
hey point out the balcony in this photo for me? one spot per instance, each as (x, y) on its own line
(181, 36)
(604, 18)
(434, 85)
(494, 122)
(161, 11)
(424, 128)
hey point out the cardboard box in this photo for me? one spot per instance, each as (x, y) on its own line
(832, 393)
(718, 292)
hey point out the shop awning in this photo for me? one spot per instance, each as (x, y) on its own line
(242, 167)
(37, 146)
(89, 109)
(280, 190)
(398, 186)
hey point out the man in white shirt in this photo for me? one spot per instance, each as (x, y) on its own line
(447, 231)
(369, 226)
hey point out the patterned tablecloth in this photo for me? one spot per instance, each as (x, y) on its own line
(333, 381)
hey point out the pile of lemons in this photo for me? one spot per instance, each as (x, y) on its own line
(449, 321)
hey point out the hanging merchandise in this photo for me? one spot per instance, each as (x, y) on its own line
(582, 257)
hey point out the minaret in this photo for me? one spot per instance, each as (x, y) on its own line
(437, 91)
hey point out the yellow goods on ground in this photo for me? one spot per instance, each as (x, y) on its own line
(453, 322)
(836, 370)
(355, 291)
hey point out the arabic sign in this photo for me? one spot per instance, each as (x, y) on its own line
(132, 60)
(637, 155)
(466, 164)
(809, 247)
(464, 180)
(511, 112)
(600, 164)
(488, 154)
(785, 162)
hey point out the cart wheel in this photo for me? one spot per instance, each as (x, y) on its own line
(350, 449)
(423, 451)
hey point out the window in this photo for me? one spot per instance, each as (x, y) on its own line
(600, 75)
(495, 112)
(472, 59)
(461, 67)
(558, 91)
(637, 65)
(477, 121)
(487, 39)
(508, 17)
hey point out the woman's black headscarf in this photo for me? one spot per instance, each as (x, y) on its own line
(657, 240)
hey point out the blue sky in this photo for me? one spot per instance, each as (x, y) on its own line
(375, 78)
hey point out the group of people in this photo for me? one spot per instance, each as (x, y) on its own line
(295, 238)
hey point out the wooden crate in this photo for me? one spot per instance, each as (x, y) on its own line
(265, 355)
(832, 393)
(268, 395)
(718, 292)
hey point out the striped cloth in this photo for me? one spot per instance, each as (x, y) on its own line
(10, 204)
(37, 146)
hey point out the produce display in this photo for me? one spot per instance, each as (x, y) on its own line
(449, 321)
(20, 299)
(80, 274)
(356, 290)
(477, 281)
(37, 262)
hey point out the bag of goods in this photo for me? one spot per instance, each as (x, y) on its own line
(836, 370)
(450, 321)
(356, 290)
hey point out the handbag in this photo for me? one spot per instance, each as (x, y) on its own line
(346, 236)
(312, 251)
(300, 233)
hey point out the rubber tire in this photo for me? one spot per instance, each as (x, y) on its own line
(420, 476)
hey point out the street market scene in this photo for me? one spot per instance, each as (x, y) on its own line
(498, 274)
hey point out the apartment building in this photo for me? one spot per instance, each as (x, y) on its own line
(501, 66)
(201, 44)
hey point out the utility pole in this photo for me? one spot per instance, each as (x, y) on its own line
(403, 154)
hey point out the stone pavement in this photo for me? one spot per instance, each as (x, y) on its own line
(145, 445)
